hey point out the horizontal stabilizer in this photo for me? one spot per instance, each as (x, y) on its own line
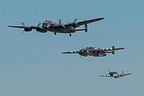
(118, 48)
(80, 29)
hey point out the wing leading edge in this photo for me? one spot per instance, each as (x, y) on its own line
(16, 26)
(85, 22)
(89, 21)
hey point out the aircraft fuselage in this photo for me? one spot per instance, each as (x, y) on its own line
(54, 27)
(90, 51)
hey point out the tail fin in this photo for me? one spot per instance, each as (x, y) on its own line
(113, 50)
(86, 28)
(122, 72)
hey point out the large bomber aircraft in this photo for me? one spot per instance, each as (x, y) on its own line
(92, 51)
(115, 74)
(58, 27)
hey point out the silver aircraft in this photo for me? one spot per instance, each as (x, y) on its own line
(92, 51)
(115, 74)
(59, 27)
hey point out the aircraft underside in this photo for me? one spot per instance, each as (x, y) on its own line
(92, 54)
(63, 30)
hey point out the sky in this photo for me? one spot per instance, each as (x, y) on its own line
(31, 64)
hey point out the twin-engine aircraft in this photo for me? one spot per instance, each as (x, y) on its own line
(92, 51)
(58, 27)
(115, 74)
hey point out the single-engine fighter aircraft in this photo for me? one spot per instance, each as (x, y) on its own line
(115, 74)
(92, 51)
(58, 27)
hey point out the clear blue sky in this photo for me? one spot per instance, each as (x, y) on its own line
(31, 64)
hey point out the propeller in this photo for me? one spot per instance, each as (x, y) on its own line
(60, 24)
(39, 24)
(74, 24)
(38, 28)
(59, 21)
(75, 20)
(23, 24)
(26, 29)
(23, 32)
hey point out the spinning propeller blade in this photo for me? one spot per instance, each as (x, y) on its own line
(59, 21)
(23, 24)
(75, 20)
(39, 24)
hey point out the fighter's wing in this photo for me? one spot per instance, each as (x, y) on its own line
(85, 22)
(104, 75)
(71, 52)
(127, 74)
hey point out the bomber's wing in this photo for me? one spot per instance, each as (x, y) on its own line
(108, 50)
(118, 48)
(26, 28)
(33, 27)
(112, 50)
(71, 52)
(16, 26)
(85, 22)
(29, 28)
(89, 21)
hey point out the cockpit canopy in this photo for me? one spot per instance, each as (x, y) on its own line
(113, 73)
(48, 24)
(90, 49)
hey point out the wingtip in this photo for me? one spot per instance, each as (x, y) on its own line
(97, 19)
(8, 26)
(66, 52)
(63, 52)
(100, 18)
(121, 48)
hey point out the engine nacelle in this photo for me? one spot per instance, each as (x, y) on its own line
(75, 25)
(27, 29)
(38, 29)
